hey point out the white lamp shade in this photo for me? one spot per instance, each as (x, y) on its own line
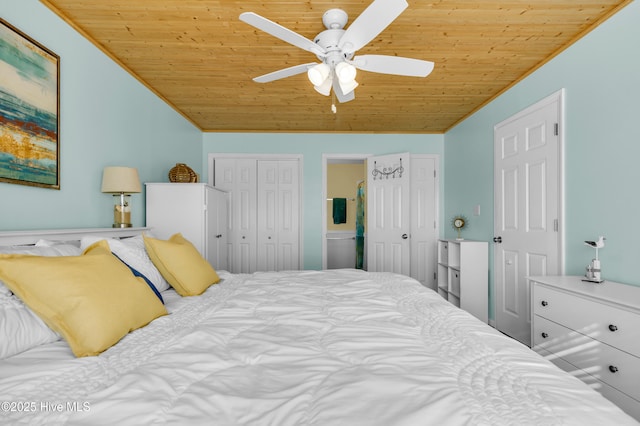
(346, 72)
(318, 74)
(325, 87)
(120, 180)
(347, 86)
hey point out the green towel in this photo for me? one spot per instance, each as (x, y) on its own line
(360, 226)
(339, 210)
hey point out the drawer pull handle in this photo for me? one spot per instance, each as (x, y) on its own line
(612, 327)
(613, 368)
(544, 335)
(544, 303)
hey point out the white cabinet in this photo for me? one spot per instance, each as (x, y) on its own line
(197, 211)
(593, 331)
(463, 275)
(264, 212)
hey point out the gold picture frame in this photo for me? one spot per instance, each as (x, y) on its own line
(29, 110)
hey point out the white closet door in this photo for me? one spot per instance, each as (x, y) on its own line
(238, 177)
(278, 222)
(289, 215)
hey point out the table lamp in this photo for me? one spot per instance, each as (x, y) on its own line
(121, 182)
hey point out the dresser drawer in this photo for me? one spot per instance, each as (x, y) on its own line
(624, 401)
(607, 364)
(615, 326)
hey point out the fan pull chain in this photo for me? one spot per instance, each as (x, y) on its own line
(333, 102)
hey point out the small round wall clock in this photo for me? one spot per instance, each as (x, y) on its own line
(458, 222)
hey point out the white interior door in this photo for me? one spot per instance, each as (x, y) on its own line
(278, 221)
(424, 211)
(238, 177)
(268, 217)
(528, 204)
(288, 215)
(388, 206)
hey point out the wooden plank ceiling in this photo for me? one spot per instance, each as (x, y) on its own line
(200, 58)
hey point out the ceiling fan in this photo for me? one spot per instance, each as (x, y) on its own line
(335, 48)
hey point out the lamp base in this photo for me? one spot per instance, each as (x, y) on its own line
(121, 225)
(121, 210)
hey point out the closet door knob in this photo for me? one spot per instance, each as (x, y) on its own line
(612, 327)
(544, 335)
(613, 368)
(405, 236)
(544, 303)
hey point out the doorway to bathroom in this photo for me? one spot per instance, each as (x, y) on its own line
(344, 214)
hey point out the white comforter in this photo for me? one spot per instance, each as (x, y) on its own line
(303, 348)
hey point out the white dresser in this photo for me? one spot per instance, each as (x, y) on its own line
(592, 331)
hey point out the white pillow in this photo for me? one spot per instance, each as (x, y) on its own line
(20, 328)
(65, 249)
(132, 252)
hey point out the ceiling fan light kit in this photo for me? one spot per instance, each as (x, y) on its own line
(345, 72)
(335, 48)
(325, 87)
(318, 74)
(347, 87)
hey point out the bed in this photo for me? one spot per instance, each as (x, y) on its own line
(337, 347)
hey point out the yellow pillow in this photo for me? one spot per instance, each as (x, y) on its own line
(92, 300)
(181, 265)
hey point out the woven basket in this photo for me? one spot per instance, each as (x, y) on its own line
(182, 173)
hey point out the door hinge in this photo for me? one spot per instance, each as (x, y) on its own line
(555, 225)
(556, 129)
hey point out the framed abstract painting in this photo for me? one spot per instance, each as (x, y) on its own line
(29, 110)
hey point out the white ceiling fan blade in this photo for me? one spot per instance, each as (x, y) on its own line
(283, 73)
(371, 22)
(396, 65)
(281, 32)
(342, 98)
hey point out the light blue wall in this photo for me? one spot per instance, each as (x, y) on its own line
(601, 75)
(312, 147)
(107, 118)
